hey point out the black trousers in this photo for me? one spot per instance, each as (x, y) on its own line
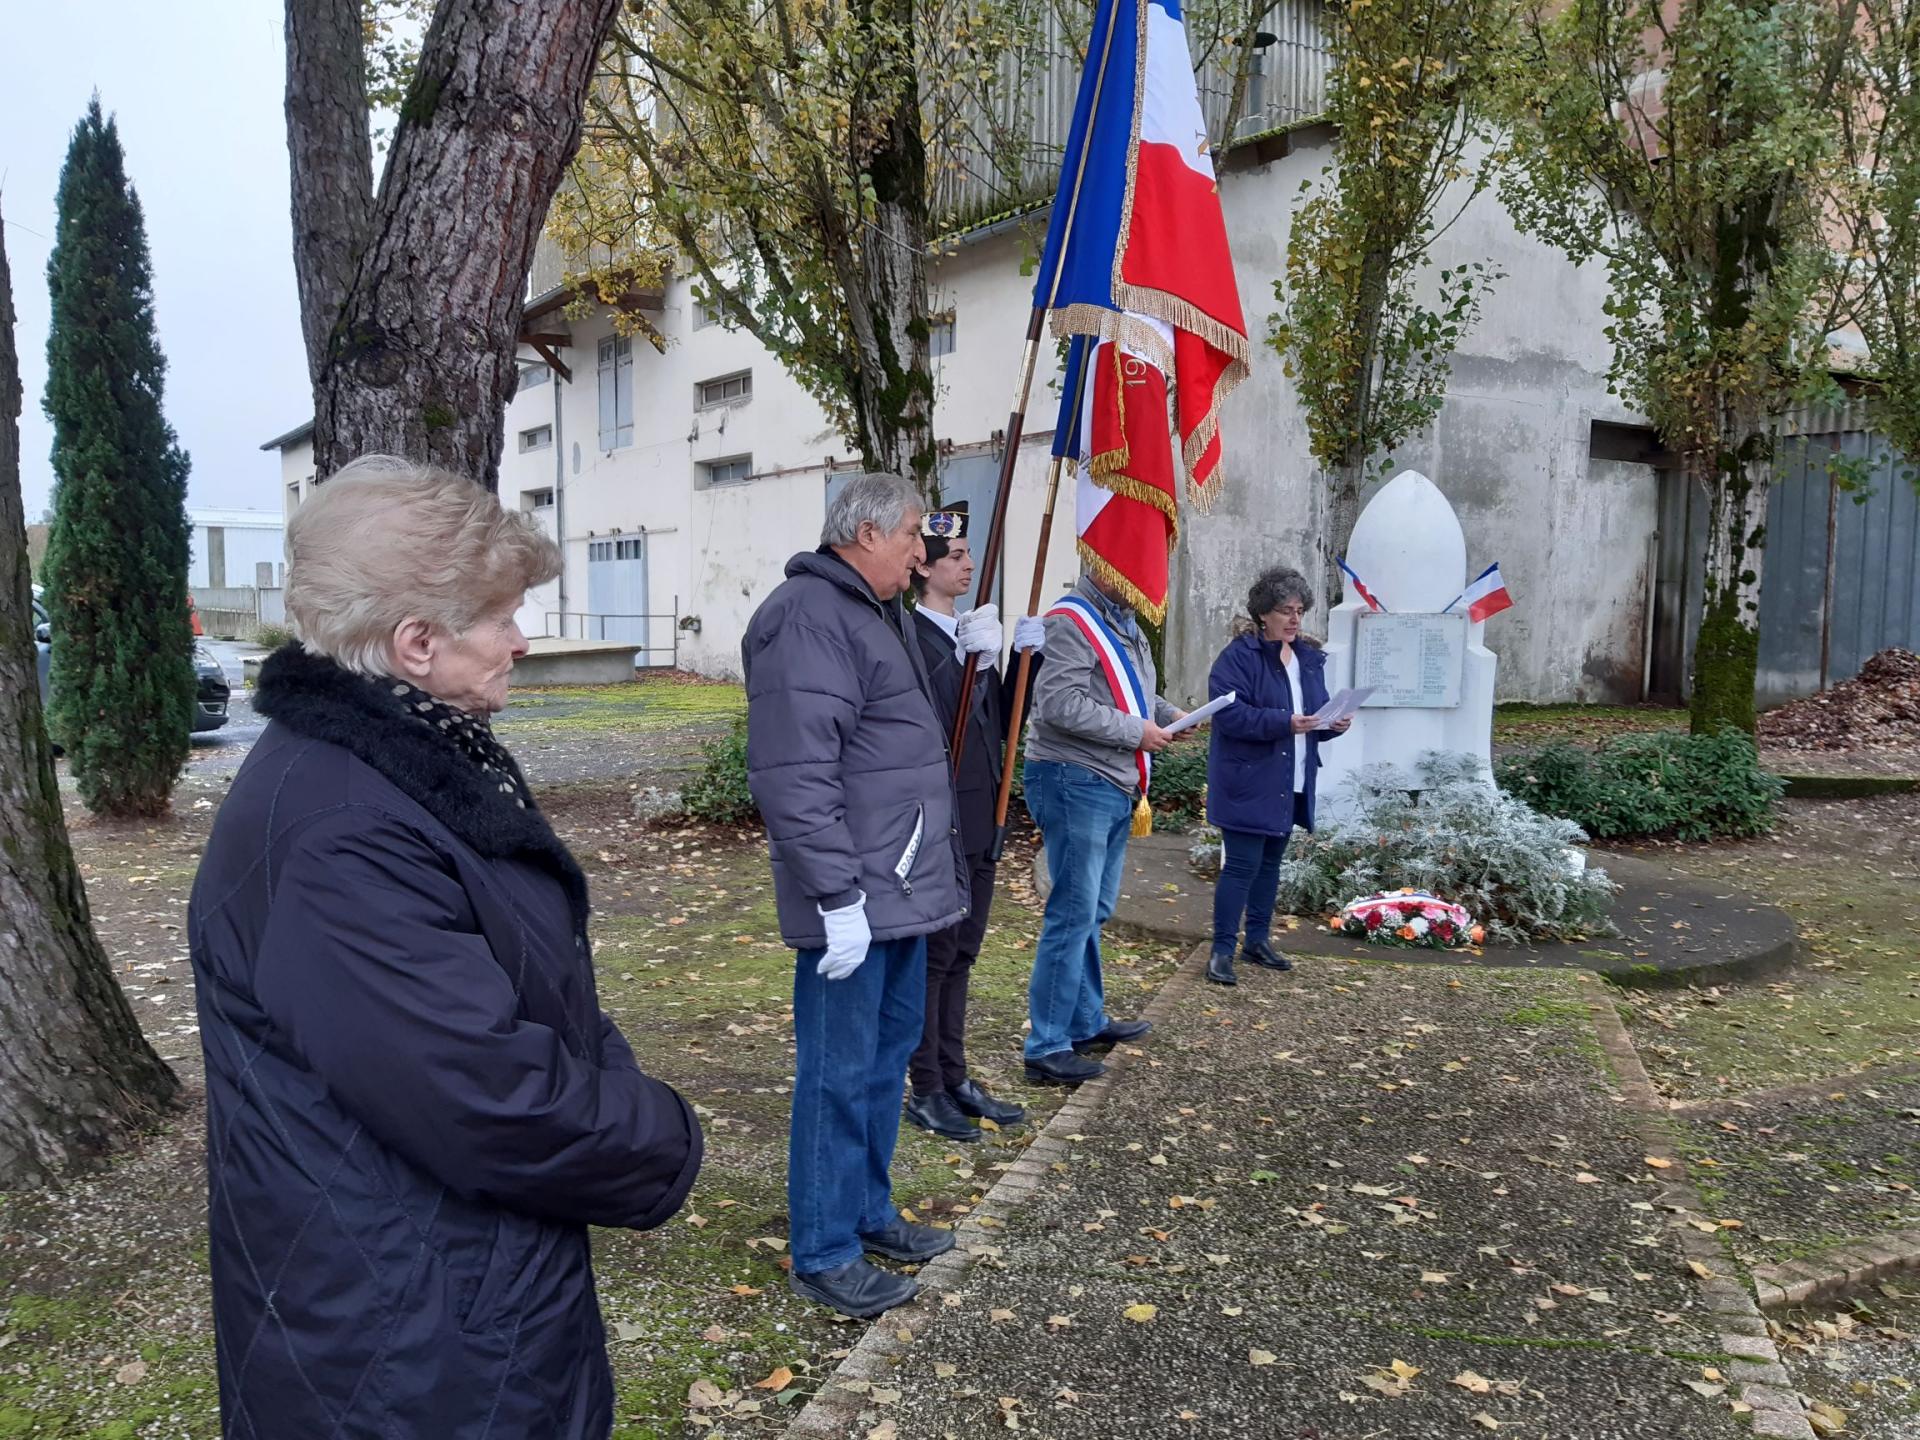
(940, 1062)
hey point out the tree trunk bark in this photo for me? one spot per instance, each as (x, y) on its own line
(75, 1071)
(331, 161)
(1726, 657)
(416, 358)
(1343, 511)
(893, 384)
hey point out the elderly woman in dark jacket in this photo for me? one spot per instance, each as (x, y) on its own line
(415, 1104)
(1261, 762)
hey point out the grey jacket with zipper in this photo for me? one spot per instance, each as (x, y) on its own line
(847, 759)
(1074, 718)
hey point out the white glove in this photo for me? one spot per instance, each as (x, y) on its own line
(979, 633)
(1030, 633)
(848, 936)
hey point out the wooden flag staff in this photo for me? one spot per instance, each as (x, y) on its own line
(1017, 709)
(1016, 424)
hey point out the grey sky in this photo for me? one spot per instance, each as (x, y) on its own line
(196, 86)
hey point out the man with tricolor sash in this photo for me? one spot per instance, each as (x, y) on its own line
(1097, 723)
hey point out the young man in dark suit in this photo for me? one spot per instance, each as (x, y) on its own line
(946, 1100)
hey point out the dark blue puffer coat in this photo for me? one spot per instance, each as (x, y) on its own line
(1250, 754)
(415, 1104)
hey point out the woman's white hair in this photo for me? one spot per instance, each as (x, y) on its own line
(385, 540)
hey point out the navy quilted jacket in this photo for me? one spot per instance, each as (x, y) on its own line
(1250, 754)
(415, 1104)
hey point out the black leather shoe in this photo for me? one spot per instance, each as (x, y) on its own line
(859, 1289)
(1220, 969)
(1064, 1068)
(970, 1099)
(1261, 953)
(904, 1240)
(938, 1115)
(1115, 1033)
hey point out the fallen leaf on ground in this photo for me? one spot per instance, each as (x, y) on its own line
(627, 1330)
(1485, 1421)
(1261, 1357)
(999, 1316)
(132, 1373)
(1141, 1313)
(777, 1381)
(1468, 1380)
(704, 1395)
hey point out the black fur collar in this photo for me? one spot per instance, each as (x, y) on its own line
(314, 697)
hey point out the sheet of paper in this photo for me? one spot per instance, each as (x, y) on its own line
(1347, 702)
(1205, 712)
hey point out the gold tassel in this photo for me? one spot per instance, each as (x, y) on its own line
(1142, 818)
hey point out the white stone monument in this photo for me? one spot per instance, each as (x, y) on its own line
(1434, 676)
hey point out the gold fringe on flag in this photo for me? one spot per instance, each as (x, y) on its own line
(1100, 566)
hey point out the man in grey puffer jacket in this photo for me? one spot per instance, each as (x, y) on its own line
(848, 764)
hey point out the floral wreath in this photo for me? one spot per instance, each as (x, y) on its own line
(1407, 917)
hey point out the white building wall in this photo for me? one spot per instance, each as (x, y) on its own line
(249, 538)
(1510, 451)
(296, 475)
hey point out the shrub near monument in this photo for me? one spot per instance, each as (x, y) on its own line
(1686, 787)
(1446, 830)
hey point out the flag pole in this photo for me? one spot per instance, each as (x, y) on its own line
(1017, 419)
(1017, 710)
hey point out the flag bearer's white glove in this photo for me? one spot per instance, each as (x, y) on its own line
(1030, 633)
(979, 633)
(848, 937)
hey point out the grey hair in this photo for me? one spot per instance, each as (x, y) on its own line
(385, 540)
(1274, 588)
(879, 500)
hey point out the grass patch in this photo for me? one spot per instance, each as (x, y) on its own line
(1846, 873)
(649, 705)
(1548, 1012)
(1516, 723)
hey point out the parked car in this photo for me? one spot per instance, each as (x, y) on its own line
(42, 642)
(211, 691)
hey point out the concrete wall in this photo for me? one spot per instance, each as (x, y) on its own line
(1510, 450)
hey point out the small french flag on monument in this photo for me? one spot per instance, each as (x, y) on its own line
(1360, 589)
(1486, 596)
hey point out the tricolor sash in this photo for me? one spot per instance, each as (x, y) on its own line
(1129, 695)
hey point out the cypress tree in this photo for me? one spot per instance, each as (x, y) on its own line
(116, 568)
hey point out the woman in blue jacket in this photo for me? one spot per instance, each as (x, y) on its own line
(1261, 764)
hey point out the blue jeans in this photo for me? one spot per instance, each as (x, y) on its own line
(1249, 877)
(1085, 822)
(852, 1038)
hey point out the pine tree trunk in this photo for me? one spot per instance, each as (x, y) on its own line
(75, 1071)
(893, 383)
(1726, 658)
(416, 358)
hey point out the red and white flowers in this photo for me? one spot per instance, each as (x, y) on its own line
(1407, 917)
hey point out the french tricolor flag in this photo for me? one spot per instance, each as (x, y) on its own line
(1137, 272)
(1487, 595)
